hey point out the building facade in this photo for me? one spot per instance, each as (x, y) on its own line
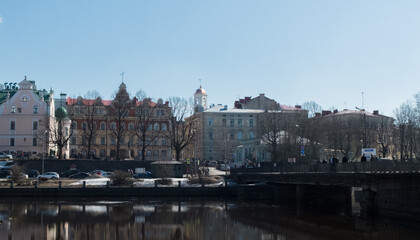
(26, 115)
(121, 128)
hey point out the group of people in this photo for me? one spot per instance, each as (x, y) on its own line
(373, 158)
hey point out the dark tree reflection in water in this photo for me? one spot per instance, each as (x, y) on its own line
(183, 220)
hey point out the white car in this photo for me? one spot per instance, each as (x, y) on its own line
(49, 175)
(23, 175)
(5, 155)
(7, 164)
(224, 167)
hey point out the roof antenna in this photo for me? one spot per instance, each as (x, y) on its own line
(200, 82)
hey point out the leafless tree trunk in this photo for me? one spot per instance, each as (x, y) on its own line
(145, 130)
(181, 131)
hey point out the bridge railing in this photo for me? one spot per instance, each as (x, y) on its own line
(353, 167)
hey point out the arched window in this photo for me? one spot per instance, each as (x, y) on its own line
(103, 126)
(131, 126)
(113, 126)
(74, 125)
(164, 128)
(156, 126)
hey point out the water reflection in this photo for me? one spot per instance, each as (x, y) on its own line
(139, 219)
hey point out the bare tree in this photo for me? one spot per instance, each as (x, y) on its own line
(312, 108)
(181, 130)
(145, 130)
(90, 116)
(59, 131)
(405, 120)
(269, 129)
(121, 107)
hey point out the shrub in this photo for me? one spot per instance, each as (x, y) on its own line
(121, 178)
(164, 181)
(16, 174)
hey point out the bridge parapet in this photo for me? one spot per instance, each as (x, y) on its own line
(366, 167)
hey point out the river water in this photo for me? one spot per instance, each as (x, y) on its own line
(184, 219)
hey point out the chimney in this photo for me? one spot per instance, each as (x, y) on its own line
(326, 112)
(376, 112)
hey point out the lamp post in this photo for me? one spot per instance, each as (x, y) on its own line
(302, 148)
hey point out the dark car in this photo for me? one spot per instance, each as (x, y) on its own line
(32, 173)
(146, 174)
(69, 172)
(79, 175)
(4, 173)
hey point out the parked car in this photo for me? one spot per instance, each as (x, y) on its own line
(4, 173)
(79, 175)
(224, 167)
(69, 172)
(109, 174)
(49, 175)
(5, 155)
(23, 175)
(7, 164)
(146, 174)
(32, 173)
(98, 172)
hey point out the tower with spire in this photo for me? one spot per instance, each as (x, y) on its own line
(200, 100)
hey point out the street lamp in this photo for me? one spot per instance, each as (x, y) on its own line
(302, 148)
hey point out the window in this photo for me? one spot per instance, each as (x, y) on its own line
(34, 125)
(149, 127)
(163, 141)
(232, 122)
(232, 135)
(12, 125)
(12, 142)
(164, 127)
(239, 135)
(84, 141)
(210, 135)
(13, 109)
(131, 126)
(24, 99)
(19, 109)
(156, 126)
(239, 122)
(251, 122)
(210, 122)
(74, 125)
(113, 126)
(148, 153)
(251, 135)
(156, 142)
(66, 131)
(73, 141)
(34, 142)
(103, 126)
(102, 140)
(155, 153)
(113, 141)
(93, 141)
(224, 122)
(84, 126)
(36, 109)
(122, 141)
(163, 153)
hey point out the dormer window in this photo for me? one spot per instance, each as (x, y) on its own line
(24, 99)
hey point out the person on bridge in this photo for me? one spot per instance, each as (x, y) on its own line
(345, 159)
(363, 158)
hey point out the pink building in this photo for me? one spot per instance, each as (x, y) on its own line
(25, 114)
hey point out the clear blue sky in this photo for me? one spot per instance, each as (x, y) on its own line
(293, 51)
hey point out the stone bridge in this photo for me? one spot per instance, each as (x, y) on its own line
(381, 188)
